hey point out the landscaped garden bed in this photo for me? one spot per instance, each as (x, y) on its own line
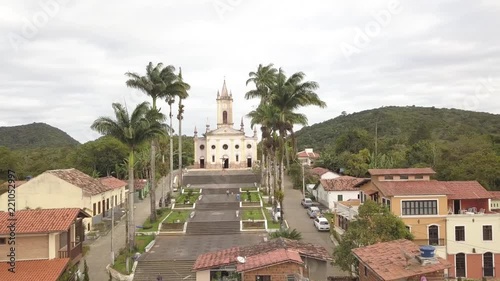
(270, 223)
(252, 214)
(250, 199)
(245, 189)
(141, 242)
(149, 226)
(175, 221)
(254, 225)
(194, 190)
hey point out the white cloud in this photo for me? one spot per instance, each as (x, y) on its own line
(70, 70)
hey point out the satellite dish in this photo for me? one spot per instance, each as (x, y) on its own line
(240, 259)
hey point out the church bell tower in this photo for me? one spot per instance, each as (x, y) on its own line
(224, 107)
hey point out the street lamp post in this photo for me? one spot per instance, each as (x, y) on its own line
(303, 183)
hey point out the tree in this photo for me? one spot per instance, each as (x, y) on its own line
(182, 93)
(7, 163)
(132, 130)
(85, 271)
(152, 85)
(293, 234)
(101, 155)
(374, 223)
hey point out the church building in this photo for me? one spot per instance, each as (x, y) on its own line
(225, 147)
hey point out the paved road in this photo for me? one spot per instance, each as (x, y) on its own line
(297, 218)
(100, 250)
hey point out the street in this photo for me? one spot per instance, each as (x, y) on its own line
(99, 255)
(297, 218)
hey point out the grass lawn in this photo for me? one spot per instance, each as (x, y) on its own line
(254, 196)
(141, 243)
(244, 189)
(186, 197)
(178, 215)
(270, 222)
(252, 214)
(149, 227)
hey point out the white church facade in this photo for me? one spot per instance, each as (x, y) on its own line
(225, 147)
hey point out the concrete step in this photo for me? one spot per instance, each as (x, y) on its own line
(169, 270)
(207, 191)
(221, 179)
(201, 206)
(213, 228)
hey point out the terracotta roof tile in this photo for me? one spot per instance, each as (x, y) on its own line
(408, 171)
(394, 188)
(466, 190)
(495, 195)
(277, 256)
(388, 261)
(46, 270)
(112, 182)
(343, 183)
(228, 256)
(319, 171)
(77, 178)
(304, 154)
(40, 221)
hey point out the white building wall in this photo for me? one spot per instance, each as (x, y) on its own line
(328, 198)
(203, 275)
(473, 233)
(329, 175)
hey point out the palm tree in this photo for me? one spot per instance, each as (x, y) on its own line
(152, 85)
(293, 234)
(132, 130)
(182, 93)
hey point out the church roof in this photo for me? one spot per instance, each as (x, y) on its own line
(224, 93)
(225, 131)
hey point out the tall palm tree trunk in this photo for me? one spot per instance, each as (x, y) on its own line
(180, 143)
(131, 193)
(171, 177)
(268, 177)
(262, 168)
(152, 180)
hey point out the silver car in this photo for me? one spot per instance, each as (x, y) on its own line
(313, 212)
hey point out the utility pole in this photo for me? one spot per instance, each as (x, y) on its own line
(112, 230)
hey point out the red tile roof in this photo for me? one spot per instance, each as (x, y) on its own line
(46, 270)
(408, 171)
(77, 178)
(466, 190)
(305, 154)
(41, 221)
(388, 261)
(228, 256)
(394, 188)
(495, 195)
(343, 183)
(319, 171)
(112, 182)
(271, 258)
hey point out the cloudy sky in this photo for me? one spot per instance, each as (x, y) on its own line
(63, 61)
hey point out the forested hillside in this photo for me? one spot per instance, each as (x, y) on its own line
(458, 144)
(35, 135)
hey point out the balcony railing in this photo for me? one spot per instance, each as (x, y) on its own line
(76, 250)
(432, 242)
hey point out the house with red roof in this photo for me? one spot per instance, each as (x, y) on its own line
(278, 260)
(495, 201)
(399, 260)
(343, 188)
(45, 239)
(323, 173)
(453, 216)
(307, 157)
(70, 188)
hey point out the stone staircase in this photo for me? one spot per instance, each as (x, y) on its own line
(169, 270)
(217, 206)
(201, 179)
(210, 191)
(213, 228)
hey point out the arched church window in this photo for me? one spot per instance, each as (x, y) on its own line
(249, 146)
(224, 117)
(225, 147)
(202, 147)
(237, 146)
(213, 146)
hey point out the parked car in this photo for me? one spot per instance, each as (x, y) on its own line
(306, 202)
(313, 211)
(321, 224)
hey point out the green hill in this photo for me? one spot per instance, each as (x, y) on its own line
(457, 144)
(401, 123)
(35, 135)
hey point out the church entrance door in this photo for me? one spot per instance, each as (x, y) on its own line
(202, 163)
(226, 163)
(249, 162)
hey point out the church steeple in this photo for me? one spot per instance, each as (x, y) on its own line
(224, 107)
